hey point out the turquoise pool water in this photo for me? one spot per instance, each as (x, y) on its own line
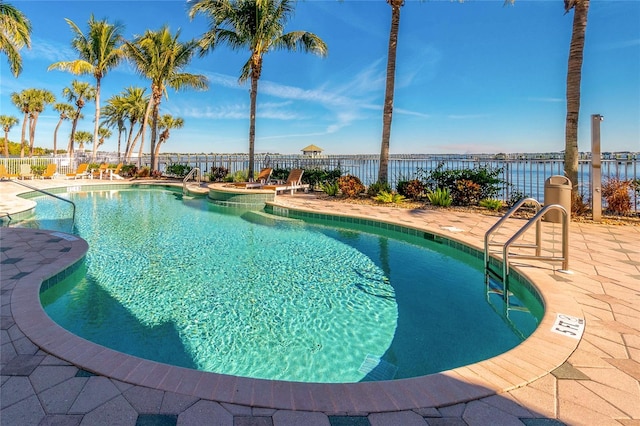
(192, 284)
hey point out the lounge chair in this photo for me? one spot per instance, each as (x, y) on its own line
(80, 172)
(25, 172)
(51, 171)
(262, 179)
(115, 173)
(102, 170)
(293, 183)
(4, 173)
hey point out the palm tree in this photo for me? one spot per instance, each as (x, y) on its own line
(22, 101)
(387, 111)
(40, 98)
(166, 123)
(135, 105)
(82, 137)
(258, 26)
(104, 133)
(78, 94)
(574, 76)
(15, 33)
(114, 115)
(7, 122)
(65, 110)
(159, 56)
(99, 52)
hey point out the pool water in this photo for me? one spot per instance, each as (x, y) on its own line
(189, 283)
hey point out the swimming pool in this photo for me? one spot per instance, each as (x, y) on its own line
(261, 296)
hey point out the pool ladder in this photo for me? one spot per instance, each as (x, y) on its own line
(503, 274)
(193, 171)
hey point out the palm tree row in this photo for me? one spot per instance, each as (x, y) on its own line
(254, 24)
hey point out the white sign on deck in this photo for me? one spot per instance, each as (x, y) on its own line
(568, 326)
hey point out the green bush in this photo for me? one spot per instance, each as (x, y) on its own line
(317, 177)
(350, 186)
(330, 188)
(463, 192)
(440, 197)
(178, 170)
(491, 204)
(389, 197)
(378, 187)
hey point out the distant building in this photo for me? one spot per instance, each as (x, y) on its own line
(312, 151)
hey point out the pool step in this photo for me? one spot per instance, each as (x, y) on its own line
(376, 369)
(263, 218)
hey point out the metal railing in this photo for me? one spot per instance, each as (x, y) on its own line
(193, 171)
(521, 174)
(537, 246)
(73, 217)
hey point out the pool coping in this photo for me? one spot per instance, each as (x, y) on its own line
(541, 353)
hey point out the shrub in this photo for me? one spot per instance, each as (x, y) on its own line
(317, 177)
(617, 194)
(129, 170)
(389, 197)
(491, 204)
(440, 197)
(350, 186)
(330, 188)
(413, 189)
(515, 197)
(218, 173)
(178, 170)
(376, 188)
(143, 172)
(466, 193)
(486, 177)
(579, 206)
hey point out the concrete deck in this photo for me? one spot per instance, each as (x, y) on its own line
(51, 377)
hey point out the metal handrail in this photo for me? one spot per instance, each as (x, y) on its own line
(499, 223)
(536, 219)
(73, 219)
(186, 178)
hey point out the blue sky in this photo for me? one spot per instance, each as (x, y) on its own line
(472, 77)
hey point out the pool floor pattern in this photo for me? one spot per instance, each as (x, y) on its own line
(599, 383)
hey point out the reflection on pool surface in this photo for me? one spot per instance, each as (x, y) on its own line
(192, 284)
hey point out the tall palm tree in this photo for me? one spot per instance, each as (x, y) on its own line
(114, 115)
(99, 52)
(159, 56)
(82, 137)
(574, 76)
(22, 101)
(387, 111)
(65, 110)
(135, 105)
(259, 26)
(15, 33)
(7, 122)
(166, 123)
(79, 93)
(104, 133)
(40, 98)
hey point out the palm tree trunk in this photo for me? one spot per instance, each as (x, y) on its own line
(73, 135)
(574, 74)
(154, 133)
(22, 136)
(55, 137)
(252, 123)
(33, 117)
(96, 125)
(387, 113)
(6, 144)
(145, 123)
